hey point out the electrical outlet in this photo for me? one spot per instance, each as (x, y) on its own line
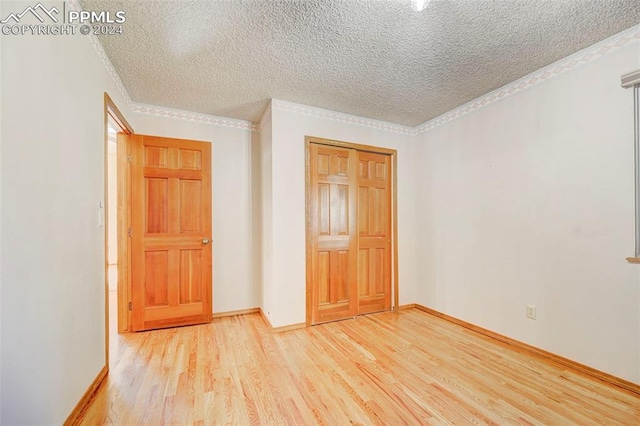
(531, 311)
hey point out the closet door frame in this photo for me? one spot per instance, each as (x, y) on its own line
(308, 140)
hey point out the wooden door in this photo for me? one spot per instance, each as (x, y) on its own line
(374, 232)
(332, 227)
(170, 232)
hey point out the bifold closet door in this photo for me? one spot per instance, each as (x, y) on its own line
(374, 232)
(349, 220)
(332, 204)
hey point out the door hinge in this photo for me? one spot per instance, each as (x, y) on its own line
(129, 232)
(130, 306)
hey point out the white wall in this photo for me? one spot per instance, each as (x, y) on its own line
(52, 264)
(286, 297)
(530, 200)
(263, 152)
(256, 216)
(234, 287)
(112, 195)
(112, 217)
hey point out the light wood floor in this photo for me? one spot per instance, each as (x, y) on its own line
(407, 368)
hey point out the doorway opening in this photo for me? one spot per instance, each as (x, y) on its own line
(114, 123)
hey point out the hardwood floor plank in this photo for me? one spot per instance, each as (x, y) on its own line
(378, 369)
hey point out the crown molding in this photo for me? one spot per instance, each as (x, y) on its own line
(106, 62)
(194, 117)
(569, 63)
(154, 110)
(281, 105)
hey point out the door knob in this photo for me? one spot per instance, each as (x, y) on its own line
(205, 241)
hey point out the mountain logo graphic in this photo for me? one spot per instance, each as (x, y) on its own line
(33, 11)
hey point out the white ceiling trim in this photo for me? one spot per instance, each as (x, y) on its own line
(179, 114)
(579, 58)
(154, 110)
(95, 42)
(281, 105)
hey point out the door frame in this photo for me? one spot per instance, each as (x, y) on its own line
(394, 214)
(112, 111)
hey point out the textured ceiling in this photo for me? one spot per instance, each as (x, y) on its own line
(376, 59)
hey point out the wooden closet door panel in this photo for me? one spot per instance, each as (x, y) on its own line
(333, 233)
(374, 232)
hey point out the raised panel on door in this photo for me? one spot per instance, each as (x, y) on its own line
(171, 227)
(333, 233)
(190, 276)
(156, 285)
(374, 232)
